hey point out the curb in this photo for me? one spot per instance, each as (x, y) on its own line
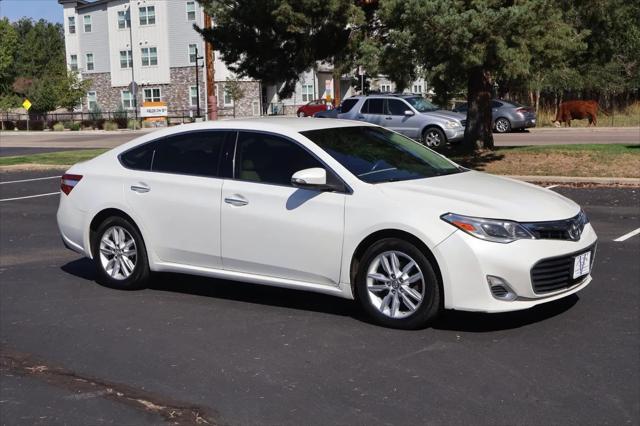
(579, 180)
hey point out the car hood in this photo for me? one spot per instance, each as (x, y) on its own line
(446, 115)
(482, 195)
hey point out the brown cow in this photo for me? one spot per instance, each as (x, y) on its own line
(576, 110)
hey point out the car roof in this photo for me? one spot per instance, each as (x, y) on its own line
(273, 124)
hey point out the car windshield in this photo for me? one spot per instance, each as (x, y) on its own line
(421, 104)
(377, 155)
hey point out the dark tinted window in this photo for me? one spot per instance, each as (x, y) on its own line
(271, 159)
(396, 107)
(372, 106)
(196, 153)
(138, 158)
(347, 104)
(378, 155)
(496, 104)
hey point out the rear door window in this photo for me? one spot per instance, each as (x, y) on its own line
(373, 106)
(396, 107)
(194, 153)
(139, 158)
(496, 104)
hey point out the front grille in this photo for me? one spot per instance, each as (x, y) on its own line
(556, 273)
(568, 229)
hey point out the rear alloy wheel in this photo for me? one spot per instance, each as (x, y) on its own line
(396, 285)
(120, 255)
(433, 138)
(503, 125)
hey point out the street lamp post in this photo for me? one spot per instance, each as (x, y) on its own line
(198, 84)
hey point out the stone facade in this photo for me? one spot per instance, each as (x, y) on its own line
(177, 94)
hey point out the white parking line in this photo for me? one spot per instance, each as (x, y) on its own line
(30, 196)
(30, 180)
(627, 236)
(552, 186)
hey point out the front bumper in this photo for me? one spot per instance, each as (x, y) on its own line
(466, 262)
(454, 135)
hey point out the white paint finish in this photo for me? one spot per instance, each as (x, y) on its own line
(30, 180)
(283, 232)
(30, 196)
(552, 186)
(181, 212)
(627, 236)
(281, 238)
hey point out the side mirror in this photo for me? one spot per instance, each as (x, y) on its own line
(314, 178)
(408, 113)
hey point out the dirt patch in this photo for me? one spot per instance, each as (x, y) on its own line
(173, 412)
(32, 167)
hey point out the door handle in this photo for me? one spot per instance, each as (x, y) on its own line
(236, 200)
(388, 118)
(140, 188)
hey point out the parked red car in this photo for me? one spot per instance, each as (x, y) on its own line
(314, 106)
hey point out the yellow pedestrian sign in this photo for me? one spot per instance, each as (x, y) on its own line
(26, 104)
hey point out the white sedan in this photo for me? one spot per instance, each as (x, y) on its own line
(332, 206)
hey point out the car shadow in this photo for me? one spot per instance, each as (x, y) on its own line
(479, 322)
(471, 322)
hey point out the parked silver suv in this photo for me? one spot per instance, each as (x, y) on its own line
(411, 115)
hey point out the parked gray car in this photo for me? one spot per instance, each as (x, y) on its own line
(507, 115)
(411, 115)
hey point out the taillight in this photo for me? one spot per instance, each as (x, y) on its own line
(523, 110)
(68, 182)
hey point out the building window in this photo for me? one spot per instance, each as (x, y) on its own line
(307, 92)
(192, 53)
(417, 88)
(152, 94)
(87, 23)
(73, 62)
(127, 100)
(123, 19)
(147, 15)
(193, 96)
(90, 64)
(228, 100)
(191, 11)
(149, 56)
(126, 59)
(92, 101)
(385, 88)
(72, 24)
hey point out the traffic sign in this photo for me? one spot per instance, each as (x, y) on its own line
(26, 104)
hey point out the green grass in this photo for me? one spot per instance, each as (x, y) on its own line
(599, 160)
(63, 158)
(628, 117)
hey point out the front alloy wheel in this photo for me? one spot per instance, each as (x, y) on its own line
(396, 285)
(433, 138)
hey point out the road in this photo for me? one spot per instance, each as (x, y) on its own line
(542, 136)
(197, 350)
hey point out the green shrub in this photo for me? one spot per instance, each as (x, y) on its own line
(67, 124)
(133, 124)
(75, 126)
(58, 127)
(110, 126)
(120, 116)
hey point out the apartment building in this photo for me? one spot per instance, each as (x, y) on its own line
(151, 42)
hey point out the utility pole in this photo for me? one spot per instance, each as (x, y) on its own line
(133, 87)
(211, 88)
(198, 83)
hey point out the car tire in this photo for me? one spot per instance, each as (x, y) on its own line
(433, 137)
(301, 114)
(120, 255)
(502, 125)
(389, 303)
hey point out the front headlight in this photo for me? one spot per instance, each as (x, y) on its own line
(453, 124)
(498, 231)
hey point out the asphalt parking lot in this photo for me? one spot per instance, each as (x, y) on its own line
(191, 350)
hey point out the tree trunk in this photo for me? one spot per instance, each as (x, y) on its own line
(478, 132)
(537, 100)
